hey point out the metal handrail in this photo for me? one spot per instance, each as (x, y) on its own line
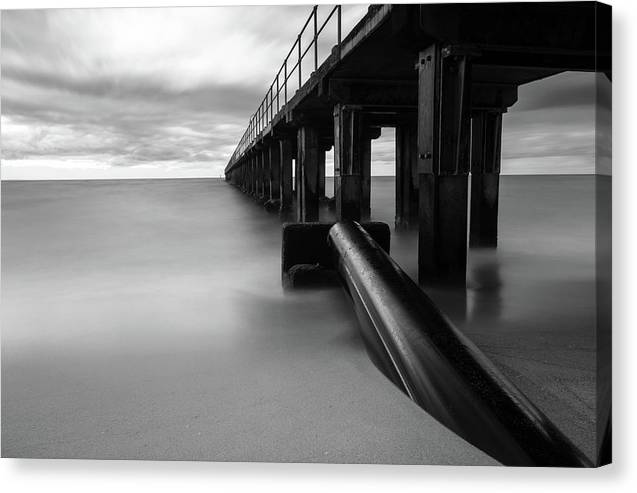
(276, 97)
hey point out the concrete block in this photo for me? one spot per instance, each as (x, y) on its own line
(306, 244)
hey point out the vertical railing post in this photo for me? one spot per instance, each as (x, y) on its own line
(299, 64)
(338, 30)
(278, 90)
(265, 113)
(285, 80)
(315, 14)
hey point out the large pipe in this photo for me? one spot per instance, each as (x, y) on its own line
(437, 366)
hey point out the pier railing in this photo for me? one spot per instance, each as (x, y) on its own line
(291, 76)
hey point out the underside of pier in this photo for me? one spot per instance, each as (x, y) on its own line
(442, 76)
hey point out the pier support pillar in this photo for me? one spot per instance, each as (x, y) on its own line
(260, 175)
(275, 170)
(251, 174)
(444, 126)
(254, 174)
(352, 164)
(244, 175)
(321, 173)
(254, 168)
(486, 137)
(285, 157)
(407, 175)
(267, 172)
(307, 174)
(442, 238)
(366, 175)
(257, 174)
(297, 176)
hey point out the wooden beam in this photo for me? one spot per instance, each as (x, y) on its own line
(493, 96)
(549, 27)
(373, 92)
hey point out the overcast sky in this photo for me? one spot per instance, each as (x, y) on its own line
(118, 93)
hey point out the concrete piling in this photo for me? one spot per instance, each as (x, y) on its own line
(308, 164)
(486, 136)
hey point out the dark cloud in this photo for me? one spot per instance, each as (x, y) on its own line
(175, 88)
(130, 121)
(222, 97)
(129, 87)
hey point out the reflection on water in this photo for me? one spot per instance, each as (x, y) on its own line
(484, 298)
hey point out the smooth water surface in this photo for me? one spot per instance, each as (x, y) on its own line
(146, 320)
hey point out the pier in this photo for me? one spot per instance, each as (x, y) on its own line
(451, 314)
(442, 76)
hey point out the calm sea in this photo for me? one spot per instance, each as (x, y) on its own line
(135, 306)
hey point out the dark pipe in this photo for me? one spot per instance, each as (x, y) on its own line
(437, 366)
